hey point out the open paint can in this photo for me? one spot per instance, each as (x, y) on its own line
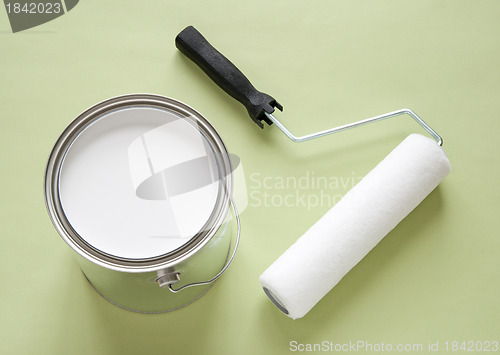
(140, 186)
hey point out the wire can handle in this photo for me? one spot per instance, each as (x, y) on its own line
(229, 261)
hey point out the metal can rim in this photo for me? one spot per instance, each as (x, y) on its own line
(77, 243)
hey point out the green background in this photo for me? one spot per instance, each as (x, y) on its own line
(434, 278)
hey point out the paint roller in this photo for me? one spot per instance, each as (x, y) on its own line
(319, 259)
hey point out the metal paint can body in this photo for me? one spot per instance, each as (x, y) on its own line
(182, 186)
(141, 292)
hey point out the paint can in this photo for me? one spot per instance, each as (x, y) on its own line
(140, 187)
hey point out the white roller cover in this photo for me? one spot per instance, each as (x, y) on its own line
(319, 259)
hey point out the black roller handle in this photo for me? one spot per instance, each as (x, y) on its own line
(225, 74)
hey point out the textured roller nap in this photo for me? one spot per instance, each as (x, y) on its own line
(312, 266)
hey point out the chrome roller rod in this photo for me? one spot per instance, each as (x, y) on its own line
(345, 127)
